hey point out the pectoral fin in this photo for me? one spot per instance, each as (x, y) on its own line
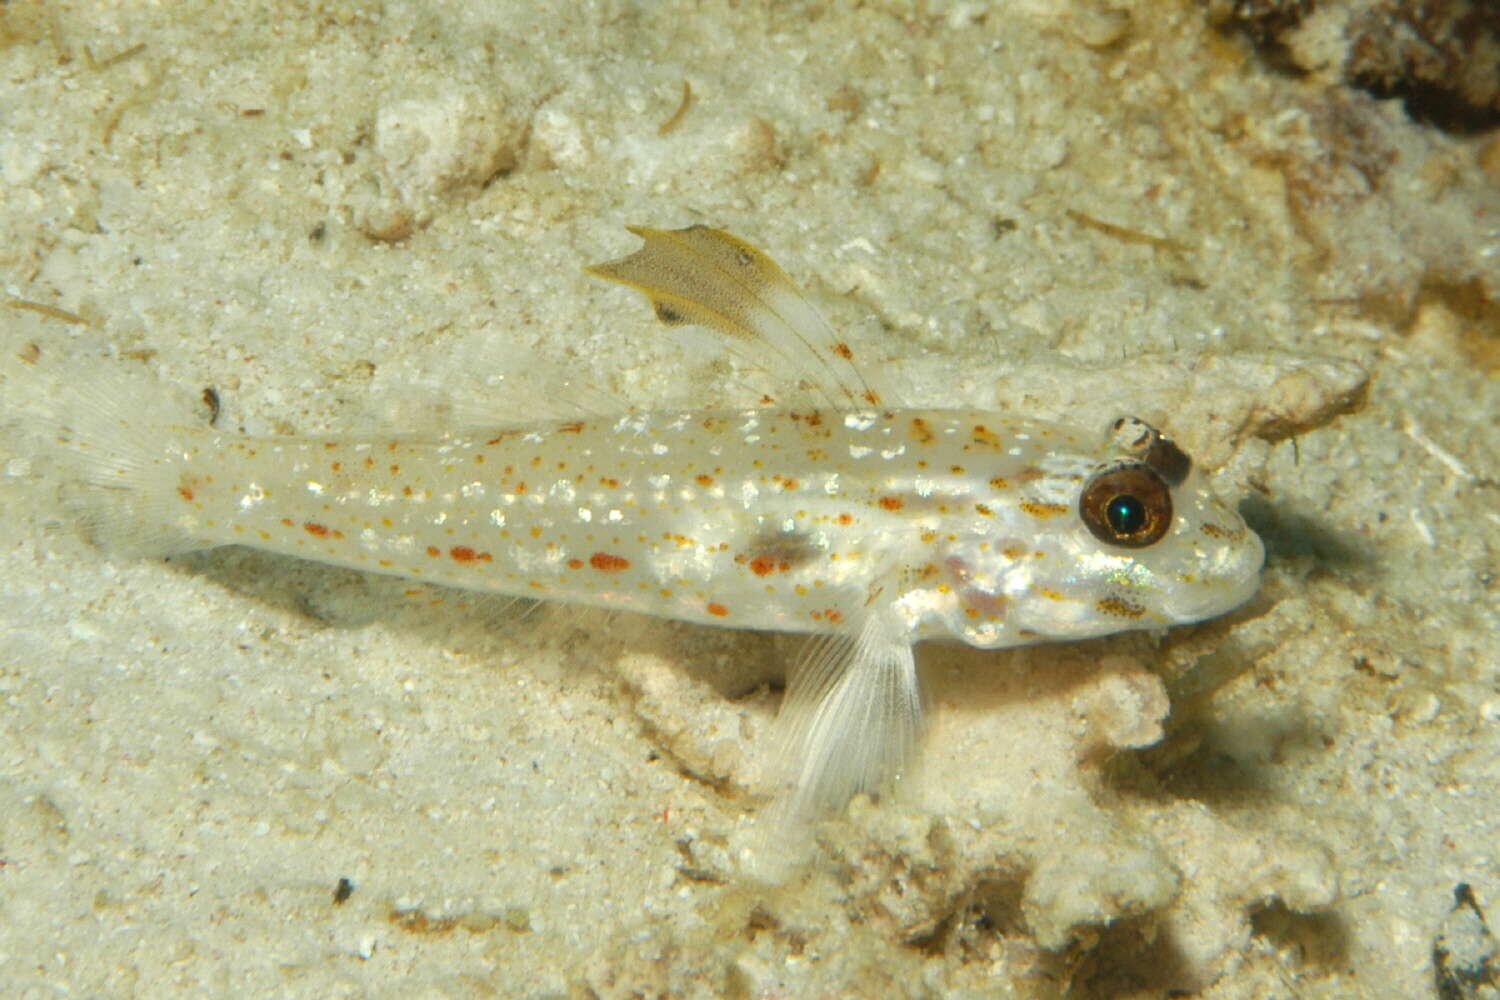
(851, 718)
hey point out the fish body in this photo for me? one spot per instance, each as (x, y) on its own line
(871, 524)
(755, 518)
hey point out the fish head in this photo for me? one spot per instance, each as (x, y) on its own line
(1128, 537)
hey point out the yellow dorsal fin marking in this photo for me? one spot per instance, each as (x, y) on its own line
(706, 276)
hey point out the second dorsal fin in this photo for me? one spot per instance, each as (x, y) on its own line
(706, 276)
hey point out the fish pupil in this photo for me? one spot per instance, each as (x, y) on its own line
(1126, 514)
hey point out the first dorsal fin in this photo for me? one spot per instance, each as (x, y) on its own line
(706, 276)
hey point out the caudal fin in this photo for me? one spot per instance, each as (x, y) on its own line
(124, 440)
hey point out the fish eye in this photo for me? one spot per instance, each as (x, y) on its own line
(1128, 505)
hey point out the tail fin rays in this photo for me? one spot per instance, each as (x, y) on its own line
(126, 439)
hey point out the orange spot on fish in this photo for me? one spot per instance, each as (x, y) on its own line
(575, 564)
(763, 565)
(607, 563)
(464, 554)
(314, 528)
(891, 503)
(715, 608)
(814, 418)
(434, 551)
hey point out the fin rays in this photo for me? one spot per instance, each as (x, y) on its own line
(706, 276)
(851, 718)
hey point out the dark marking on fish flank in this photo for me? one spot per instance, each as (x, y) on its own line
(1120, 608)
(778, 552)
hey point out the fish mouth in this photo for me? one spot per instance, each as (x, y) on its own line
(1235, 580)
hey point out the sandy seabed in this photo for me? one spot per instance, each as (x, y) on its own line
(232, 774)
